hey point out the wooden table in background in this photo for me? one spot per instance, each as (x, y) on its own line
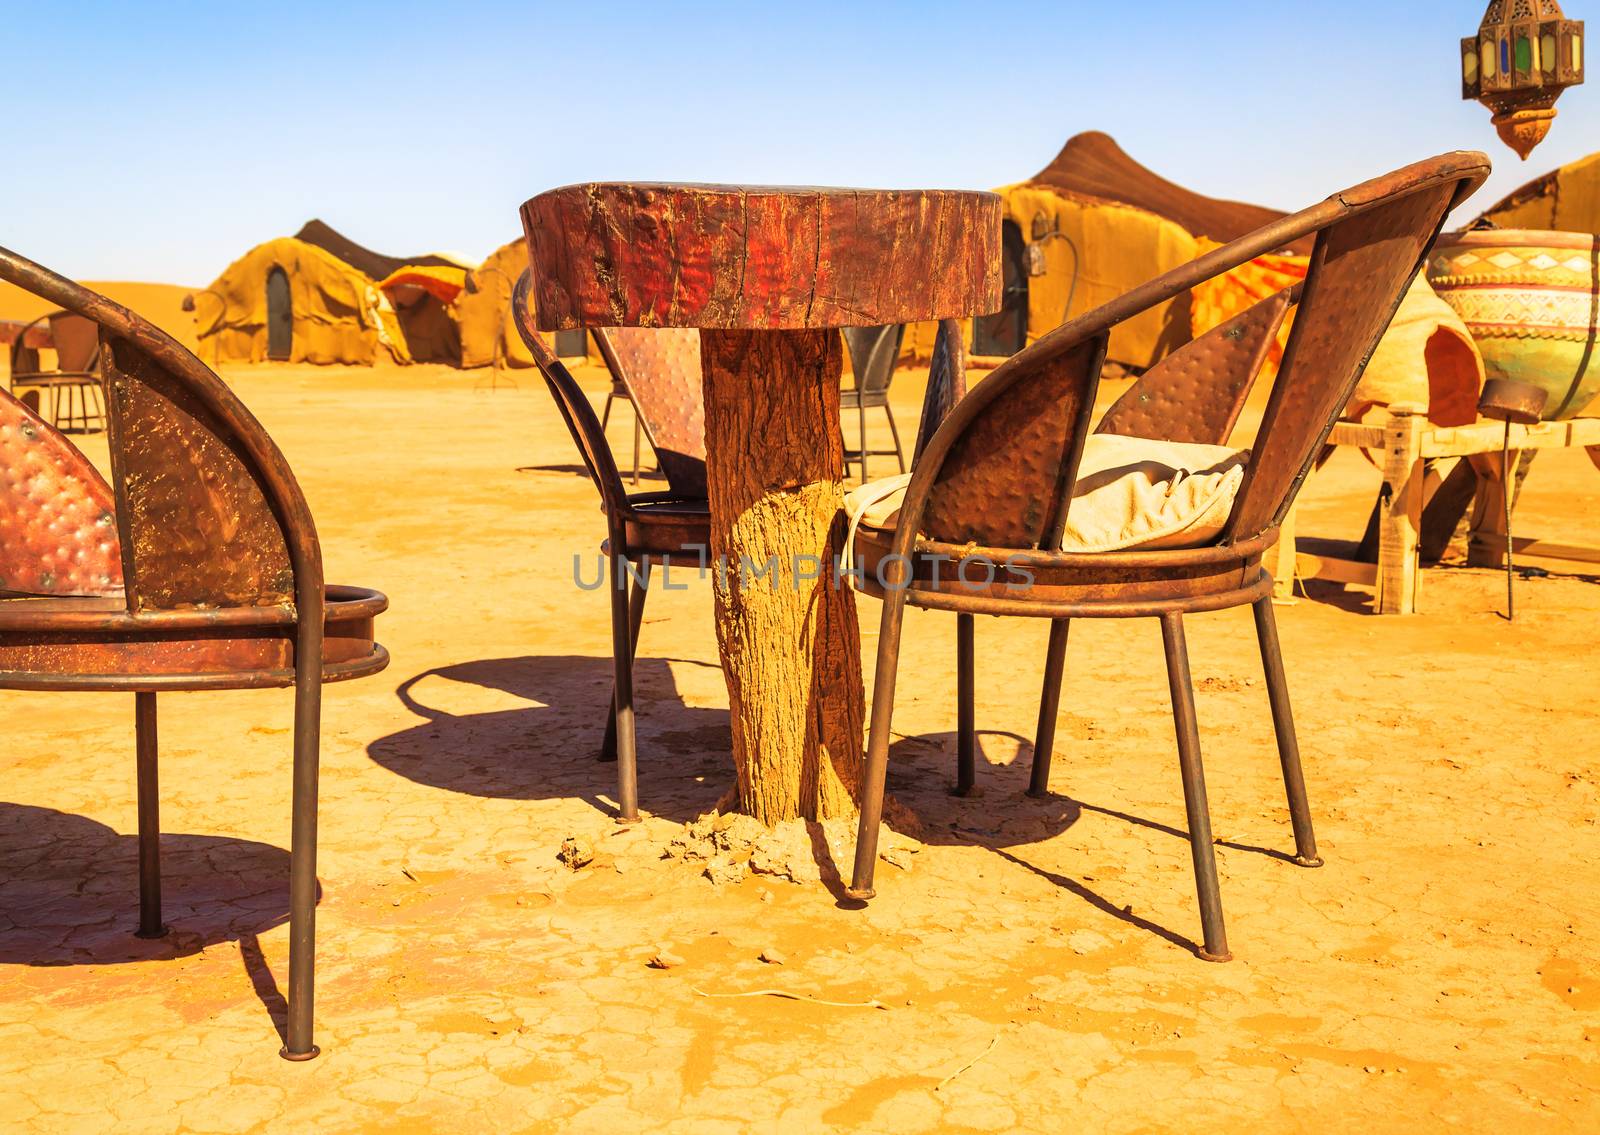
(1403, 441)
(768, 275)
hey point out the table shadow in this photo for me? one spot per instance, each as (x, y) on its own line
(549, 749)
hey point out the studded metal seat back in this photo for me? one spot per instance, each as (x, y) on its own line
(660, 367)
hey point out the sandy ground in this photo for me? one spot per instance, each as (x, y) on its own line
(1034, 959)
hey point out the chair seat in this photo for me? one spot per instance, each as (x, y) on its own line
(1142, 527)
(667, 527)
(1021, 581)
(98, 644)
(1131, 493)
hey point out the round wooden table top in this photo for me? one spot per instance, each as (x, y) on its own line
(760, 257)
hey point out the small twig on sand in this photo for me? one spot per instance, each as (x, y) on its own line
(939, 1087)
(784, 993)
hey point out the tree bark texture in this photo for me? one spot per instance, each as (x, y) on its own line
(787, 628)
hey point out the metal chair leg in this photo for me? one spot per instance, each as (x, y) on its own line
(966, 710)
(638, 431)
(861, 418)
(1294, 783)
(1044, 738)
(636, 597)
(303, 847)
(877, 763)
(605, 411)
(144, 726)
(1194, 790)
(622, 695)
(899, 454)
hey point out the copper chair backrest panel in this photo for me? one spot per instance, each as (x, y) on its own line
(1360, 269)
(77, 340)
(58, 533)
(1002, 481)
(197, 528)
(660, 367)
(1196, 393)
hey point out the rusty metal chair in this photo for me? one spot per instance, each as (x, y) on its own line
(199, 570)
(643, 529)
(77, 374)
(873, 354)
(658, 371)
(996, 480)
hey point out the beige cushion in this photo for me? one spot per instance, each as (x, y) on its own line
(1132, 492)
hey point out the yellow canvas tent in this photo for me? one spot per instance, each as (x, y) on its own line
(483, 313)
(291, 301)
(1567, 199)
(1088, 253)
(421, 295)
(1091, 225)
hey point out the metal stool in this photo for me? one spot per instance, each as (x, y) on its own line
(1506, 401)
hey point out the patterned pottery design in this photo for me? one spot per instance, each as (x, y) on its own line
(1531, 299)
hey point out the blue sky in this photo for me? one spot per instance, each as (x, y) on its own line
(160, 143)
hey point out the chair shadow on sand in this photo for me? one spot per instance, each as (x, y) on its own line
(549, 748)
(69, 895)
(1004, 819)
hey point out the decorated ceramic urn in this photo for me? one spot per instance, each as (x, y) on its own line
(1531, 299)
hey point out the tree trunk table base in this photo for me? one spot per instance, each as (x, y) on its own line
(786, 628)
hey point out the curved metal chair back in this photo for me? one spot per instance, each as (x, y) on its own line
(660, 369)
(873, 352)
(208, 511)
(1001, 470)
(580, 417)
(77, 344)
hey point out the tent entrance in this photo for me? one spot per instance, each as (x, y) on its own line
(1006, 331)
(280, 317)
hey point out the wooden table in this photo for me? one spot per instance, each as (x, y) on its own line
(1405, 440)
(768, 274)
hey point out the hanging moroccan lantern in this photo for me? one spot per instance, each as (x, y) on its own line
(1525, 54)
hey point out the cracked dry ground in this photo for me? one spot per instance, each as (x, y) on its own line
(1440, 970)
